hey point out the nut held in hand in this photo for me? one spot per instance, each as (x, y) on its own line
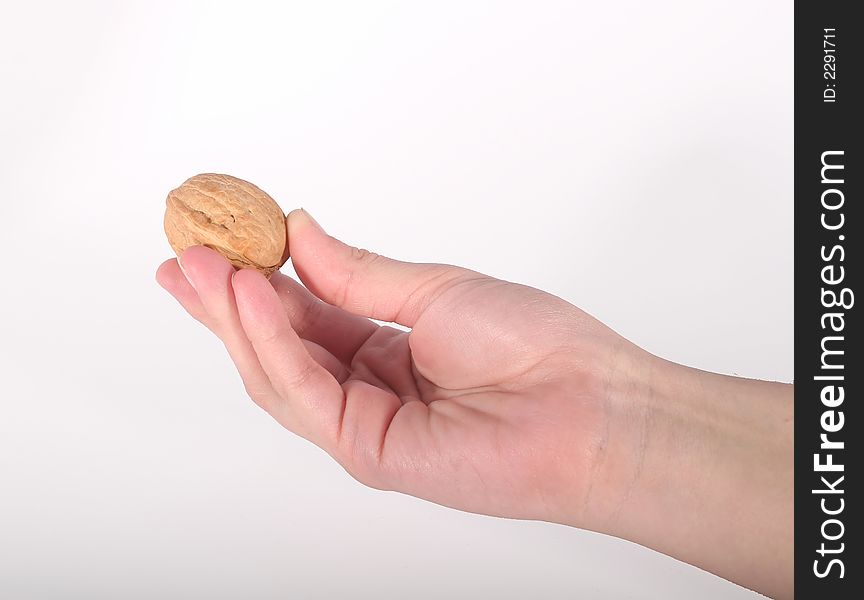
(231, 216)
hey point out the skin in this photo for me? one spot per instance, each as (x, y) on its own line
(505, 400)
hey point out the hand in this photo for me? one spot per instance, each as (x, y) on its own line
(492, 403)
(502, 399)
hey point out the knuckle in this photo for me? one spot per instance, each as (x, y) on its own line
(310, 316)
(256, 392)
(359, 459)
(364, 470)
(270, 337)
(298, 377)
(361, 255)
(259, 393)
(361, 260)
(430, 289)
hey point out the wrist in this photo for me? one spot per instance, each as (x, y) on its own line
(701, 468)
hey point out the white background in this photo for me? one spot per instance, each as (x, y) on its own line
(632, 157)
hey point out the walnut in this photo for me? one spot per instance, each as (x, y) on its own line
(231, 216)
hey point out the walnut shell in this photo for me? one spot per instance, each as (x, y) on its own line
(231, 216)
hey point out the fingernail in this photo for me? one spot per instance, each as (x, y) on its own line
(311, 219)
(185, 274)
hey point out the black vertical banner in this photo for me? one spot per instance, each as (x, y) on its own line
(829, 300)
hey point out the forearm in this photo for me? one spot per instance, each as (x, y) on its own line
(706, 474)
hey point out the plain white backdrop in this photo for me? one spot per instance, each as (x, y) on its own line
(632, 157)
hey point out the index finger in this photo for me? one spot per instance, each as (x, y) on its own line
(311, 400)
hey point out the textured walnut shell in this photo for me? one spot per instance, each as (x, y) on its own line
(231, 216)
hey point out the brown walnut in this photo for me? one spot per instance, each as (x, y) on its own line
(231, 216)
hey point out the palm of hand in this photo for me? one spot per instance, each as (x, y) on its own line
(476, 398)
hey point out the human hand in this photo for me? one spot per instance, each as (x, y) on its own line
(492, 403)
(502, 399)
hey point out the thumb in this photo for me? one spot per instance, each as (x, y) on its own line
(362, 282)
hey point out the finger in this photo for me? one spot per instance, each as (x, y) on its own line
(172, 280)
(362, 282)
(210, 275)
(324, 358)
(338, 331)
(311, 399)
